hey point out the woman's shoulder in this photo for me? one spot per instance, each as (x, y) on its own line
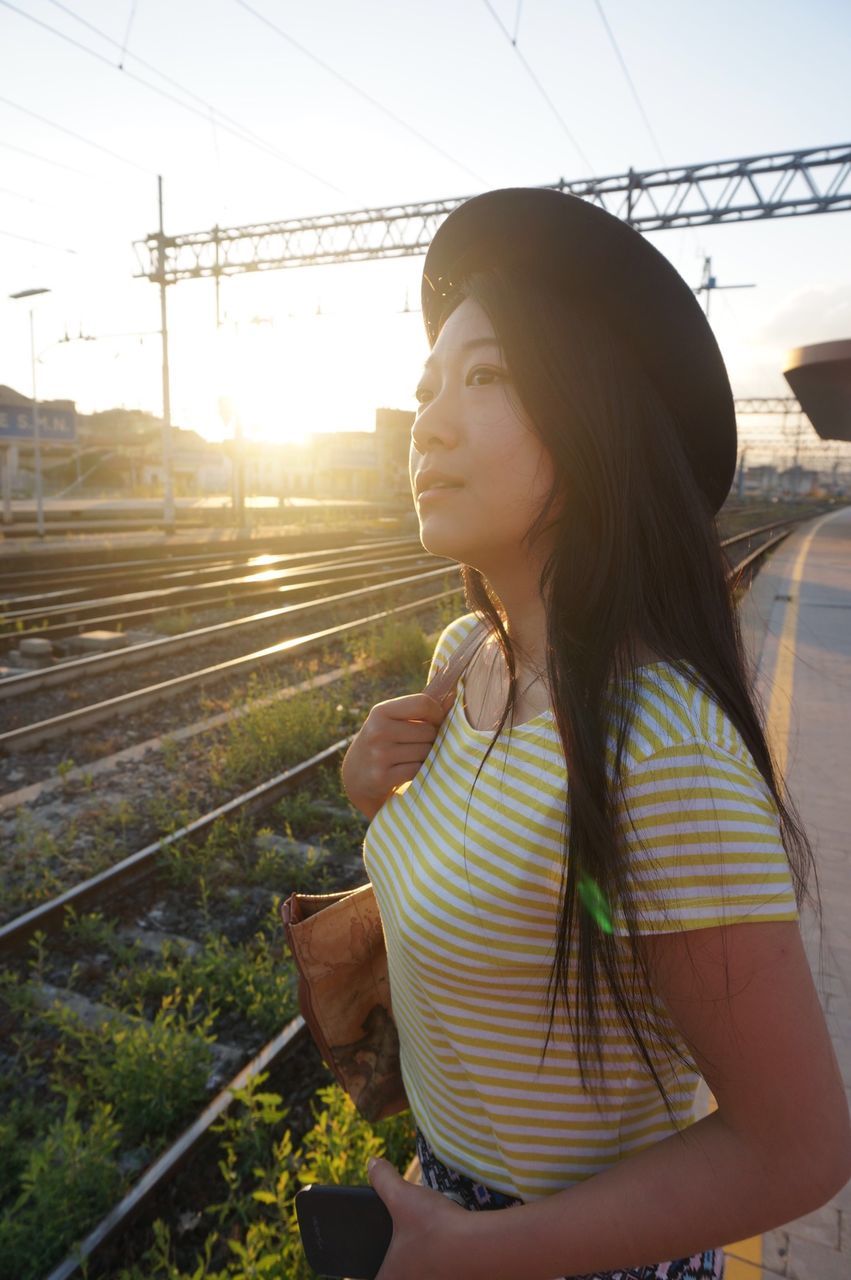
(450, 638)
(674, 712)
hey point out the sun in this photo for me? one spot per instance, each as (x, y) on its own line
(281, 378)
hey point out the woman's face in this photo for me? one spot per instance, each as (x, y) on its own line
(471, 430)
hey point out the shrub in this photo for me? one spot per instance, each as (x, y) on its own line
(68, 1180)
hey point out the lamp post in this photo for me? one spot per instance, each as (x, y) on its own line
(39, 495)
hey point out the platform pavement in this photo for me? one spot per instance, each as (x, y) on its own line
(796, 624)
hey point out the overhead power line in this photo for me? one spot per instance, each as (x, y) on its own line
(690, 231)
(44, 159)
(79, 137)
(45, 244)
(360, 92)
(625, 70)
(541, 90)
(127, 35)
(19, 195)
(243, 133)
(238, 131)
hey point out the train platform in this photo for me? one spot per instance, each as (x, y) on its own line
(796, 622)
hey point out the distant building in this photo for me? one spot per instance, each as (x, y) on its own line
(798, 481)
(280, 470)
(345, 464)
(392, 440)
(123, 449)
(760, 480)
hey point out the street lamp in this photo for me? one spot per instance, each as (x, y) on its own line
(39, 496)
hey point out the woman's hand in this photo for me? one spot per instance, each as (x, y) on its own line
(390, 746)
(430, 1232)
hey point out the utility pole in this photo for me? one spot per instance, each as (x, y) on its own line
(168, 485)
(709, 282)
(740, 489)
(36, 426)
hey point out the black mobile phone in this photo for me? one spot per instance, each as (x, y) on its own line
(345, 1231)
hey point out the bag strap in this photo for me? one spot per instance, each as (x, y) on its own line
(448, 675)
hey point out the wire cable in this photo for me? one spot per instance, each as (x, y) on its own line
(46, 160)
(691, 233)
(19, 195)
(163, 93)
(127, 35)
(149, 173)
(245, 134)
(360, 92)
(536, 83)
(625, 70)
(517, 21)
(45, 244)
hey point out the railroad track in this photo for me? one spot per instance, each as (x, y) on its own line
(82, 568)
(142, 896)
(165, 647)
(66, 610)
(27, 736)
(142, 907)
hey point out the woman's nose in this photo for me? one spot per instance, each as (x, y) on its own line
(433, 426)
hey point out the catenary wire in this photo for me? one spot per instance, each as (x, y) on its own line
(44, 244)
(632, 87)
(33, 155)
(691, 234)
(360, 92)
(553, 108)
(19, 195)
(517, 21)
(127, 35)
(149, 173)
(245, 134)
(163, 93)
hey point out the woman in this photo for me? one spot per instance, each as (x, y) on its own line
(592, 909)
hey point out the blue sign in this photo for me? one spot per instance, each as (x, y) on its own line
(55, 426)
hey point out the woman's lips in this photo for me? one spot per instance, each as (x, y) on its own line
(439, 490)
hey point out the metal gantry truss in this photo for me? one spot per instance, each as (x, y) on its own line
(786, 184)
(793, 441)
(767, 404)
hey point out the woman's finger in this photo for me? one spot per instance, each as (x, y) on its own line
(413, 731)
(414, 706)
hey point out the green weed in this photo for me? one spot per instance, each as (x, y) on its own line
(154, 1074)
(173, 624)
(261, 1173)
(67, 1179)
(253, 982)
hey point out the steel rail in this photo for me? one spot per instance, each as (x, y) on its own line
(750, 560)
(174, 1157)
(45, 916)
(96, 664)
(70, 592)
(254, 586)
(28, 736)
(141, 866)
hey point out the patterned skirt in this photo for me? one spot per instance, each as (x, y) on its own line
(473, 1195)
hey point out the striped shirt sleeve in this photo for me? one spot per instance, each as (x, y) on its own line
(702, 839)
(448, 640)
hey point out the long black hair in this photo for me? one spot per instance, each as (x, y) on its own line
(633, 556)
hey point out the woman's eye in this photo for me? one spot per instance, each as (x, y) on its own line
(481, 371)
(420, 395)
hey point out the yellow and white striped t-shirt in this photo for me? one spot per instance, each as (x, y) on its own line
(467, 882)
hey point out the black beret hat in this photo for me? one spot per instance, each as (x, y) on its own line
(593, 257)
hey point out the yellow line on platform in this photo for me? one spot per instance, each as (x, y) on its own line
(780, 707)
(747, 1262)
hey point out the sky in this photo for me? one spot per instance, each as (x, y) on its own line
(355, 106)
